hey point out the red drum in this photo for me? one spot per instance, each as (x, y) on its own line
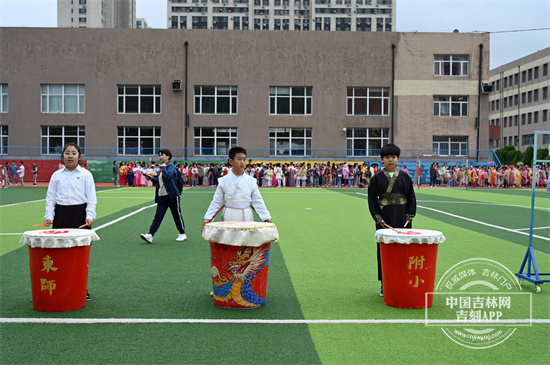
(59, 261)
(240, 262)
(409, 259)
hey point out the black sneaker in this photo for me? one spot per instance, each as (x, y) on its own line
(88, 297)
(381, 290)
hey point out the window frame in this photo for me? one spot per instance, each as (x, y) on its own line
(353, 100)
(461, 149)
(124, 97)
(216, 137)
(355, 137)
(451, 101)
(4, 98)
(200, 98)
(290, 136)
(4, 138)
(47, 134)
(440, 66)
(277, 95)
(47, 98)
(128, 150)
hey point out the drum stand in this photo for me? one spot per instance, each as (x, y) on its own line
(534, 275)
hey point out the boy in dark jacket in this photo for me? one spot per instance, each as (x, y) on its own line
(169, 185)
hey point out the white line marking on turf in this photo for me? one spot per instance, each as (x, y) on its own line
(123, 217)
(250, 321)
(41, 200)
(527, 229)
(484, 224)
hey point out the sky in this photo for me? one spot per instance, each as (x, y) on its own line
(510, 22)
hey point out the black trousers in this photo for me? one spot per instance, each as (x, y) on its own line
(70, 216)
(162, 206)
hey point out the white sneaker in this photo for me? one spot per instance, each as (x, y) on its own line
(147, 237)
(181, 237)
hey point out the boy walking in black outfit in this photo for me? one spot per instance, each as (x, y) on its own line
(169, 185)
(392, 202)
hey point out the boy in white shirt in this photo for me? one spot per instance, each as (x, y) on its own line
(237, 190)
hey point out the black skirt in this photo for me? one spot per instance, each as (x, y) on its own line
(70, 216)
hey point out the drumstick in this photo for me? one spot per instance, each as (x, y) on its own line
(37, 225)
(84, 225)
(211, 219)
(390, 227)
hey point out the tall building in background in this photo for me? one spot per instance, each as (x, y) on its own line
(519, 102)
(96, 13)
(335, 15)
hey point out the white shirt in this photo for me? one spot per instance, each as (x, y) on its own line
(71, 188)
(237, 192)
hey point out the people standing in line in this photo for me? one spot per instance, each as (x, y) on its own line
(169, 185)
(391, 198)
(5, 177)
(418, 175)
(21, 172)
(71, 198)
(34, 171)
(115, 174)
(13, 173)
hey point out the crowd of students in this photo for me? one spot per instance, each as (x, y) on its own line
(336, 175)
(300, 174)
(512, 176)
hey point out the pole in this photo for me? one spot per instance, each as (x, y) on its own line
(185, 112)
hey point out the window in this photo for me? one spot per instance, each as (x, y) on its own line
(450, 145)
(545, 69)
(453, 106)
(139, 99)
(451, 65)
(53, 138)
(536, 70)
(215, 99)
(535, 117)
(3, 98)
(63, 98)
(368, 101)
(366, 141)
(530, 74)
(545, 92)
(290, 100)
(138, 140)
(527, 139)
(545, 115)
(536, 95)
(3, 139)
(214, 141)
(290, 141)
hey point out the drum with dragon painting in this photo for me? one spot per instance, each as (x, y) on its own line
(240, 262)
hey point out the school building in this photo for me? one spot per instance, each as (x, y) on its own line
(123, 93)
(519, 103)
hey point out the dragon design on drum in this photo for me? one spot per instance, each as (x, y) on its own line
(236, 283)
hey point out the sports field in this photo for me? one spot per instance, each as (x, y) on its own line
(151, 304)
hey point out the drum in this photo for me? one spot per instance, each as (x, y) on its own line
(409, 259)
(240, 262)
(59, 261)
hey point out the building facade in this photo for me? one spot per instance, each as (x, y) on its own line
(519, 103)
(327, 15)
(283, 95)
(96, 13)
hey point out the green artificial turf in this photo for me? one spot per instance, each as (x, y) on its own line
(323, 268)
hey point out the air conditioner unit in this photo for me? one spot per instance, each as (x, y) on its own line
(486, 88)
(176, 85)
